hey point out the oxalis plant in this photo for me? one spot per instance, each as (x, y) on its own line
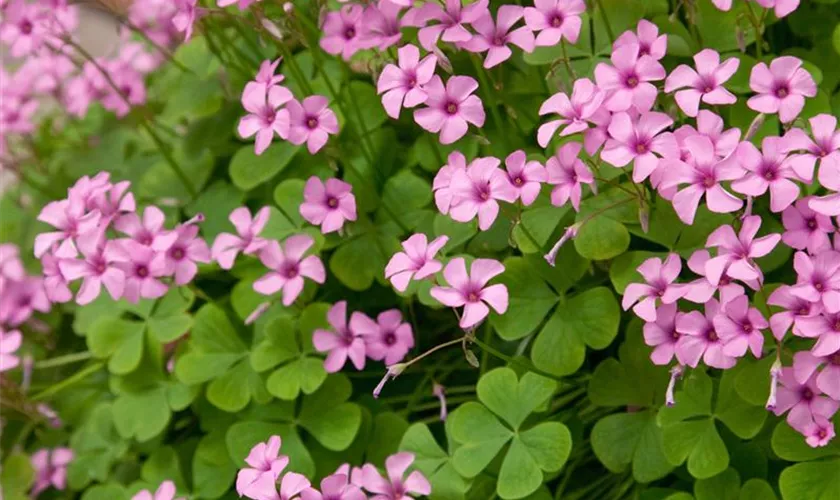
(394, 249)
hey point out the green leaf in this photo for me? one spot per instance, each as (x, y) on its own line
(811, 481)
(236, 387)
(435, 463)
(288, 195)
(631, 438)
(550, 443)
(163, 465)
(389, 429)
(520, 474)
(358, 262)
(248, 170)
(119, 340)
(537, 224)
(216, 203)
(214, 347)
(602, 238)
(790, 445)
(17, 476)
(365, 112)
(97, 447)
(242, 436)
(326, 415)
(757, 489)
(161, 181)
(742, 418)
(405, 195)
(481, 435)
(835, 38)
(694, 399)
(530, 299)
(213, 471)
(303, 374)
(724, 486)
(697, 441)
(142, 414)
(511, 398)
(109, 491)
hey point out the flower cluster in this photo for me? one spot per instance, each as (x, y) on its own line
(266, 469)
(50, 467)
(21, 295)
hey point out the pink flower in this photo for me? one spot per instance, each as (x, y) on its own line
(24, 28)
(576, 113)
(381, 24)
(701, 290)
(247, 240)
(439, 392)
(826, 329)
(825, 147)
(388, 338)
(149, 230)
(818, 279)
(637, 139)
(9, 344)
(740, 326)
(710, 125)
(185, 16)
(50, 469)
(312, 122)
(187, 249)
(782, 88)
(166, 491)
(494, 38)
(112, 200)
(292, 485)
(736, 254)
(132, 88)
(289, 267)
(55, 284)
(403, 85)
(265, 118)
(566, 172)
(96, 269)
(703, 172)
(627, 81)
(476, 191)
(782, 7)
(470, 290)
(806, 229)
(659, 278)
(569, 234)
(705, 84)
(328, 205)
(818, 432)
(449, 109)
(395, 487)
(803, 399)
(662, 334)
(21, 299)
(342, 31)
(71, 219)
(141, 268)
(266, 464)
(417, 262)
(341, 343)
(647, 37)
(555, 20)
(795, 308)
(334, 487)
(700, 339)
(451, 20)
(17, 116)
(768, 169)
(442, 184)
(266, 76)
(805, 364)
(525, 176)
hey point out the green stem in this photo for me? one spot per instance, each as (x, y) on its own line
(606, 21)
(504, 357)
(759, 41)
(486, 90)
(569, 69)
(63, 360)
(79, 376)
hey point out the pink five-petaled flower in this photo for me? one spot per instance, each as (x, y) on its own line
(9, 344)
(494, 38)
(71, 219)
(184, 17)
(705, 84)
(247, 240)
(767, 169)
(662, 334)
(382, 26)
(50, 469)
(806, 229)
(627, 81)
(442, 184)
(575, 113)
(95, 268)
(555, 20)
(566, 172)
(141, 268)
(470, 290)
(343, 31)
(341, 343)
(803, 399)
(703, 171)
(149, 230)
(402, 86)
(266, 463)
(416, 262)
(525, 176)
(781, 7)
(312, 122)
(449, 109)
(387, 338)
(266, 76)
(647, 36)
(395, 487)
(334, 487)
(637, 139)
(805, 364)
(795, 308)
(166, 491)
(328, 204)
(824, 147)
(740, 327)
(292, 485)
(736, 253)
(181, 257)
(699, 339)
(659, 287)
(476, 191)
(451, 19)
(818, 432)
(289, 267)
(782, 88)
(265, 118)
(818, 279)
(826, 329)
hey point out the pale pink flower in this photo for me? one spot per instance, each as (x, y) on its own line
(266, 465)
(395, 487)
(449, 109)
(266, 77)
(166, 491)
(740, 326)
(342, 31)
(442, 184)
(818, 432)
(803, 400)
(476, 191)
(402, 86)
(247, 240)
(417, 262)
(387, 339)
(471, 291)
(701, 290)
(782, 88)
(334, 487)
(795, 308)
(148, 231)
(781, 7)
(825, 328)
(311, 121)
(342, 342)
(805, 364)
(95, 268)
(659, 286)
(184, 18)
(662, 334)
(132, 88)
(818, 279)
(736, 254)
(699, 339)
(526, 177)
(20, 300)
(181, 257)
(566, 172)
(292, 485)
(452, 18)
(381, 24)
(647, 37)
(71, 219)
(328, 204)
(50, 468)
(576, 113)
(705, 84)
(627, 80)
(55, 284)
(805, 228)
(289, 267)
(141, 268)
(637, 139)
(710, 125)
(824, 147)
(10, 341)
(766, 170)
(24, 28)
(494, 38)
(265, 116)
(555, 20)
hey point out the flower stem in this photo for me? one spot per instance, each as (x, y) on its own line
(63, 360)
(606, 21)
(78, 377)
(487, 91)
(504, 357)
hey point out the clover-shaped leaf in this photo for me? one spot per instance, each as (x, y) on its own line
(212, 469)
(435, 463)
(623, 439)
(328, 416)
(289, 345)
(477, 427)
(811, 480)
(16, 476)
(789, 444)
(97, 447)
(530, 300)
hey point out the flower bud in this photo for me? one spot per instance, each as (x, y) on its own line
(676, 372)
(393, 372)
(439, 391)
(775, 373)
(570, 234)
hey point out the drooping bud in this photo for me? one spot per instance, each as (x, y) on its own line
(740, 39)
(439, 391)
(272, 28)
(259, 311)
(50, 414)
(393, 372)
(570, 234)
(644, 217)
(676, 372)
(442, 60)
(756, 124)
(775, 373)
(748, 208)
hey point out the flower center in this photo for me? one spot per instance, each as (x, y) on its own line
(312, 123)
(350, 33)
(782, 92)
(472, 297)
(819, 286)
(332, 202)
(837, 325)
(556, 20)
(291, 271)
(822, 433)
(804, 311)
(835, 359)
(389, 338)
(747, 327)
(26, 27)
(499, 40)
(812, 223)
(141, 271)
(177, 253)
(807, 394)
(632, 81)
(451, 108)
(675, 334)
(411, 82)
(100, 268)
(709, 181)
(641, 148)
(712, 335)
(518, 181)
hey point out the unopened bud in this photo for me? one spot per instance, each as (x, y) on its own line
(740, 39)
(676, 372)
(272, 28)
(439, 391)
(775, 373)
(259, 311)
(644, 217)
(571, 233)
(754, 126)
(393, 372)
(442, 60)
